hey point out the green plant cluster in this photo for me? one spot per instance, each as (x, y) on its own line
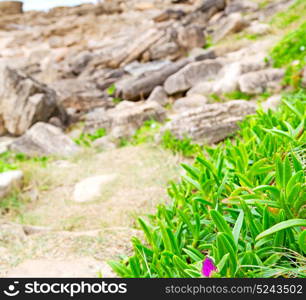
(290, 52)
(242, 203)
(295, 13)
(86, 139)
(184, 147)
(11, 161)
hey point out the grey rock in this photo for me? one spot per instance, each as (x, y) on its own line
(231, 24)
(159, 96)
(142, 87)
(191, 36)
(260, 81)
(211, 123)
(272, 103)
(192, 74)
(24, 101)
(189, 102)
(44, 139)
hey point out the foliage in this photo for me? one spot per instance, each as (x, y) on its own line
(290, 52)
(294, 14)
(86, 139)
(183, 146)
(11, 161)
(241, 203)
(146, 133)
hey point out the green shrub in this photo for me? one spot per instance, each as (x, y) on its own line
(241, 203)
(146, 133)
(184, 146)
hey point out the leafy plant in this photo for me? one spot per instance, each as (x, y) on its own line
(184, 146)
(242, 203)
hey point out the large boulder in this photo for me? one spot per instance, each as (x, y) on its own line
(260, 81)
(210, 123)
(192, 74)
(136, 88)
(44, 139)
(188, 102)
(10, 180)
(25, 101)
(10, 8)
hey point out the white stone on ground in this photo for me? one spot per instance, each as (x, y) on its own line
(91, 188)
(9, 180)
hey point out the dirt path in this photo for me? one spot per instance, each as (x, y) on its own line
(56, 236)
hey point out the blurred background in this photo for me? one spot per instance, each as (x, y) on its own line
(47, 4)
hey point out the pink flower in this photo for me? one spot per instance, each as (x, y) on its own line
(303, 228)
(208, 267)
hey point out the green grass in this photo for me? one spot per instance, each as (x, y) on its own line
(294, 14)
(86, 139)
(290, 53)
(241, 203)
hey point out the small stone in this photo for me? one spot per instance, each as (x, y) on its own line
(91, 188)
(10, 180)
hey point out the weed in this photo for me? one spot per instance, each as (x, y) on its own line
(86, 139)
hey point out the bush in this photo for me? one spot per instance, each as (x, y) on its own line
(86, 139)
(242, 204)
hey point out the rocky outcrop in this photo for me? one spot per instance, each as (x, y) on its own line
(192, 74)
(211, 123)
(126, 118)
(232, 24)
(24, 101)
(159, 96)
(261, 81)
(11, 7)
(9, 181)
(44, 139)
(141, 87)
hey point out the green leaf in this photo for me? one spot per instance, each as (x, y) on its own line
(281, 226)
(238, 226)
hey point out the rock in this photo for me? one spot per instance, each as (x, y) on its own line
(159, 96)
(169, 14)
(241, 6)
(24, 101)
(142, 87)
(261, 81)
(137, 69)
(44, 139)
(192, 74)
(211, 123)
(303, 82)
(11, 8)
(257, 28)
(80, 94)
(164, 50)
(104, 143)
(126, 118)
(272, 103)
(136, 49)
(10, 232)
(5, 141)
(189, 102)
(191, 36)
(200, 54)
(231, 24)
(10, 180)
(91, 188)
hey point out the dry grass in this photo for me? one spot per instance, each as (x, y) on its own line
(101, 229)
